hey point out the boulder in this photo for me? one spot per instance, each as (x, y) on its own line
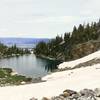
(87, 92)
(86, 98)
(58, 98)
(69, 92)
(97, 92)
(33, 98)
(45, 98)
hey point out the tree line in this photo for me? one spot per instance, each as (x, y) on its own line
(10, 51)
(62, 45)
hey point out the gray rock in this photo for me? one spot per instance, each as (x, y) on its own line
(33, 98)
(87, 98)
(70, 92)
(97, 92)
(87, 92)
(58, 98)
(45, 98)
(70, 98)
(76, 96)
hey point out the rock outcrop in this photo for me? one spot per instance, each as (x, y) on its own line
(85, 94)
(85, 49)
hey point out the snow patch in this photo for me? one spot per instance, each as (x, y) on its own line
(72, 64)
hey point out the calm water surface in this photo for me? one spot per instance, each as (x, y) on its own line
(29, 65)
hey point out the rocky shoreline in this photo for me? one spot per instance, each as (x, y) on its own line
(9, 56)
(9, 77)
(85, 94)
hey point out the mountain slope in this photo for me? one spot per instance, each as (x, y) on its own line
(82, 41)
(72, 64)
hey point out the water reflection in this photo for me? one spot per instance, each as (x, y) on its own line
(30, 65)
(52, 65)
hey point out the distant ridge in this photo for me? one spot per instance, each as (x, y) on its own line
(22, 41)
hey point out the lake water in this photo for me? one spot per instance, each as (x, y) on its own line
(29, 65)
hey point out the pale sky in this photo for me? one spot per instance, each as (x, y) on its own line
(45, 18)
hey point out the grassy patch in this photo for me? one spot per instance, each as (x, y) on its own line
(6, 77)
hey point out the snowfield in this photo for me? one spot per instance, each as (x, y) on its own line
(72, 64)
(56, 83)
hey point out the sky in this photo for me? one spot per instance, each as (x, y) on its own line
(45, 18)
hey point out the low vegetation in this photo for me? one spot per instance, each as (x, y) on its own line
(6, 78)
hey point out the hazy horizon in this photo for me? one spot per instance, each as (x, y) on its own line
(28, 37)
(44, 18)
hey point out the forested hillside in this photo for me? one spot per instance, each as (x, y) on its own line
(11, 51)
(83, 40)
